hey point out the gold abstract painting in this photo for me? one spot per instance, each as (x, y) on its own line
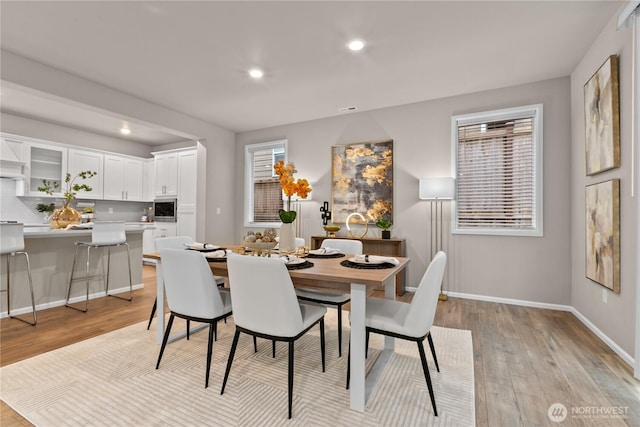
(603, 233)
(362, 180)
(602, 118)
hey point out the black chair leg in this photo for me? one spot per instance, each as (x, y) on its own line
(273, 348)
(366, 351)
(348, 363)
(255, 344)
(165, 339)
(153, 312)
(427, 377)
(188, 328)
(290, 376)
(339, 331)
(230, 360)
(322, 348)
(433, 351)
(209, 353)
(215, 331)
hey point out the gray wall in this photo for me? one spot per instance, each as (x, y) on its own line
(616, 317)
(526, 268)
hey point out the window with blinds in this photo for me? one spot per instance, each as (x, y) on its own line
(263, 195)
(498, 167)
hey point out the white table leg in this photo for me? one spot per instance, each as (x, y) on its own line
(159, 303)
(357, 346)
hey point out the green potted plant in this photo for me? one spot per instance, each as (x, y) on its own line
(46, 209)
(384, 224)
(66, 215)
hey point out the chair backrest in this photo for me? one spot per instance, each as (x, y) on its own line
(108, 233)
(175, 242)
(11, 238)
(262, 296)
(347, 246)
(189, 284)
(423, 307)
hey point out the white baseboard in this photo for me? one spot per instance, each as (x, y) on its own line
(593, 328)
(26, 310)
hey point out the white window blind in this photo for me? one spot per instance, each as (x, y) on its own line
(263, 195)
(498, 172)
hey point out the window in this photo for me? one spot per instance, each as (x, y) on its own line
(263, 195)
(498, 170)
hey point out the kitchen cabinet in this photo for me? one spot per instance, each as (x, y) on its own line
(165, 229)
(187, 179)
(44, 162)
(166, 167)
(11, 157)
(148, 180)
(86, 160)
(123, 178)
(375, 246)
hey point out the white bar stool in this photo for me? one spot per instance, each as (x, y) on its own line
(12, 244)
(103, 235)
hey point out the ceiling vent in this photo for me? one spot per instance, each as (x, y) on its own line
(348, 109)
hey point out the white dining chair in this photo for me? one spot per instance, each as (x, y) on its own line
(192, 294)
(412, 321)
(337, 300)
(104, 235)
(12, 244)
(175, 242)
(265, 305)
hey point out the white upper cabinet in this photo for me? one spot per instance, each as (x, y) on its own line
(11, 157)
(44, 162)
(86, 160)
(166, 174)
(148, 179)
(187, 178)
(123, 178)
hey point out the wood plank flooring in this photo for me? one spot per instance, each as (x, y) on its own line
(525, 359)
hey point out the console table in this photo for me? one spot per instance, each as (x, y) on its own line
(375, 246)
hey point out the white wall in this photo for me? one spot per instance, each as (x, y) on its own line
(616, 317)
(527, 268)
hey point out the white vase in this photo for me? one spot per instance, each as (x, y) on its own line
(287, 240)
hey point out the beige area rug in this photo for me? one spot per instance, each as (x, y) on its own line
(111, 380)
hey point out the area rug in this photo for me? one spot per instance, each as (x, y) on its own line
(111, 380)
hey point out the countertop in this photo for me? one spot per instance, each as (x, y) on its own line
(43, 230)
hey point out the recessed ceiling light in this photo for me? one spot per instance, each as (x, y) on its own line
(125, 131)
(256, 73)
(356, 45)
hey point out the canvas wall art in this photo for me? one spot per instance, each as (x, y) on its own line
(362, 180)
(602, 118)
(603, 233)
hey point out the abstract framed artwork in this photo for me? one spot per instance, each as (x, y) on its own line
(603, 233)
(362, 180)
(602, 118)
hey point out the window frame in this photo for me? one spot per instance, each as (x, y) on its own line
(535, 111)
(249, 149)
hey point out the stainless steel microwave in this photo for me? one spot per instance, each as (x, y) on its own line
(164, 210)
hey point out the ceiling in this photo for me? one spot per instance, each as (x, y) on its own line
(193, 57)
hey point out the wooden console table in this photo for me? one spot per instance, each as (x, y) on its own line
(375, 246)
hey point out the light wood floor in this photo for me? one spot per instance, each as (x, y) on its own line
(525, 358)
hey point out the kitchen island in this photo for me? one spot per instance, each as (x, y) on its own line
(51, 255)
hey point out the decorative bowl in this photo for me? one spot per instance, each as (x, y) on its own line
(331, 229)
(260, 247)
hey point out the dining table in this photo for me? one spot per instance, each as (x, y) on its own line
(327, 274)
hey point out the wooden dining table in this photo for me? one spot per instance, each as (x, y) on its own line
(328, 274)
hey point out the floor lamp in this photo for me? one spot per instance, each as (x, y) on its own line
(436, 190)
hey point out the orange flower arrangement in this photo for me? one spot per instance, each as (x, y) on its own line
(290, 187)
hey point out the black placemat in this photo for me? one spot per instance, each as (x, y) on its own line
(219, 259)
(325, 256)
(306, 264)
(347, 263)
(207, 250)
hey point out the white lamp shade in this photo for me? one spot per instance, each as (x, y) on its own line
(437, 188)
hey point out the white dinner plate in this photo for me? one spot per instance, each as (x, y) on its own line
(296, 261)
(363, 262)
